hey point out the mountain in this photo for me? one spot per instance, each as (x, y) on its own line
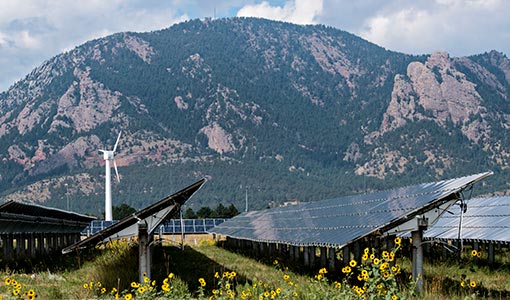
(272, 110)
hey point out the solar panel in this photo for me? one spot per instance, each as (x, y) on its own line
(191, 226)
(17, 217)
(339, 221)
(153, 216)
(98, 225)
(486, 219)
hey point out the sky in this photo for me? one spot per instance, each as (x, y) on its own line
(33, 31)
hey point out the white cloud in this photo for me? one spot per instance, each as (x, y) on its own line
(26, 40)
(407, 30)
(3, 40)
(459, 27)
(32, 31)
(483, 4)
(297, 11)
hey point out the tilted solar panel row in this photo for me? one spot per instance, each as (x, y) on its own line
(339, 221)
(485, 219)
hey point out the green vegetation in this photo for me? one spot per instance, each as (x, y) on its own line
(122, 211)
(206, 270)
(220, 212)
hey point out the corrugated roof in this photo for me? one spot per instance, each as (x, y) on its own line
(152, 215)
(340, 221)
(486, 219)
(18, 217)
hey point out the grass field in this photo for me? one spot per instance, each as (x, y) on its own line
(205, 270)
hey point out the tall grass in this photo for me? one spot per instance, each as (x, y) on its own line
(206, 270)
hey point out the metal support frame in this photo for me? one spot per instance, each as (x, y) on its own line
(306, 257)
(311, 256)
(418, 259)
(144, 253)
(490, 251)
(324, 256)
(417, 235)
(332, 259)
(346, 256)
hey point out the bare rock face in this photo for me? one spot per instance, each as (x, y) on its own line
(331, 58)
(34, 84)
(181, 104)
(25, 94)
(218, 139)
(40, 191)
(443, 90)
(439, 90)
(140, 47)
(436, 91)
(402, 106)
(85, 105)
(70, 155)
(227, 106)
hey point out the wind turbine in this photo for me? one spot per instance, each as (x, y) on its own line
(109, 155)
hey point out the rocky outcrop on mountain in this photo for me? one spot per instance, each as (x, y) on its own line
(138, 46)
(443, 90)
(85, 105)
(42, 191)
(218, 139)
(328, 54)
(435, 91)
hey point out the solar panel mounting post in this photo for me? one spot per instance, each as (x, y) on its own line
(306, 256)
(490, 251)
(332, 259)
(346, 255)
(417, 236)
(311, 256)
(182, 228)
(8, 246)
(291, 252)
(144, 253)
(324, 259)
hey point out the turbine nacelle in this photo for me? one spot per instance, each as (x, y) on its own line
(107, 155)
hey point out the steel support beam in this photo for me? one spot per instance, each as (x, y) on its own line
(332, 259)
(418, 259)
(144, 253)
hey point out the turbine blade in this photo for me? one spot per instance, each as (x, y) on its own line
(116, 172)
(117, 142)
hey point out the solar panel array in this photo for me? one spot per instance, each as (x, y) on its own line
(18, 217)
(96, 226)
(486, 219)
(190, 226)
(173, 226)
(338, 222)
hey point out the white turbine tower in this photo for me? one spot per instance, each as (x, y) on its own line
(109, 156)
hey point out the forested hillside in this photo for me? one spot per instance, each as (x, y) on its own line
(272, 110)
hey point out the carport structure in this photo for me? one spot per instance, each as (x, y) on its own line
(301, 231)
(29, 230)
